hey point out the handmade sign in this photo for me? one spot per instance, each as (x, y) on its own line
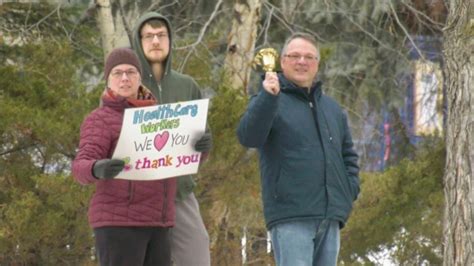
(157, 142)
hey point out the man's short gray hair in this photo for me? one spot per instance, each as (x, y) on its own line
(301, 35)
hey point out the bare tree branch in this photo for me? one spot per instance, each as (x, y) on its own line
(282, 19)
(418, 13)
(42, 19)
(266, 26)
(18, 148)
(125, 22)
(157, 3)
(287, 24)
(192, 46)
(405, 31)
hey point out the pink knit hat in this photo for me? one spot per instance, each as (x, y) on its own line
(120, 56)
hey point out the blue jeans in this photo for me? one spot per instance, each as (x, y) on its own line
(294, 243)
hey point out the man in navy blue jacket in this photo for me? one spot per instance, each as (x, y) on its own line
(309, 169)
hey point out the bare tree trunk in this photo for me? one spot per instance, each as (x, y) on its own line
(241, 42)
(459, 176)
(116, 19)
(106, 25)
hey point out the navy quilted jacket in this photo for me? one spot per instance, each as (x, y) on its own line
(308, 166)
(118, 202)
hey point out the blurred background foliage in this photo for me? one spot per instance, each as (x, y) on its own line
(51, 66)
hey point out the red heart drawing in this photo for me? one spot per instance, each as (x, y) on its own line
(161, 139)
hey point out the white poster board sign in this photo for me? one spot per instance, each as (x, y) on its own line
(157, 142)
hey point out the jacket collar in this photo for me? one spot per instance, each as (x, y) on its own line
(116, 102)
(287, 86)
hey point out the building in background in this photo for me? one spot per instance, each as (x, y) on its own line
(423, 113)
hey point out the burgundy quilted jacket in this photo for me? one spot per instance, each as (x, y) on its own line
(119, 202)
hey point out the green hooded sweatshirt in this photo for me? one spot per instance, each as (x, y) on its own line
(173, 87)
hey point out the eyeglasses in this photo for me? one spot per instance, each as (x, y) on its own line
(118, 74)
(296, 57)
(151, 36)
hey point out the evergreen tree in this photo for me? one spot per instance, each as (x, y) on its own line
(43, 101)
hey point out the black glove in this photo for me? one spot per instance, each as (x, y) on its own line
(107, 168)
(204, 144)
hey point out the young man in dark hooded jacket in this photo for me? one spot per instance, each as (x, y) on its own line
(152, 41)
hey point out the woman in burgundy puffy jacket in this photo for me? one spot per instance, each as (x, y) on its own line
(131, 219)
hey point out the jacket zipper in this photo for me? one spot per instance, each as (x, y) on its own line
(159, 93)
(153, 80)
(313, 108)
